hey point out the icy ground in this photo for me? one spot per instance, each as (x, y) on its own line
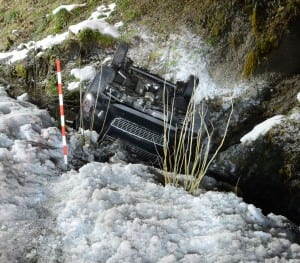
(116, 212)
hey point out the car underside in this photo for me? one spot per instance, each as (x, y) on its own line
(143, 110)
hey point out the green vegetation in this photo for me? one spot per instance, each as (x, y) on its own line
(60, 20)
(254, 21)
(14, 16)
(130, 9)
(89, 37)
(20, 70)
(34, 19)
(250, 64)
(268, 21)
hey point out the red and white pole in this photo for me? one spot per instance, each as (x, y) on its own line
(61, 109)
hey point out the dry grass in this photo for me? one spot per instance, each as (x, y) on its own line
(190, 155)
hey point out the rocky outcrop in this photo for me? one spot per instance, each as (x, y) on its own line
(267, 170)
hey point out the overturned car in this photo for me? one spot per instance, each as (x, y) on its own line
(141, 109)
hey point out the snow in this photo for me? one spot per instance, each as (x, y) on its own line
(87, 73)
(116, 212)
(103, 12)
(69, 8)
(73, 86)
(23, 97)
(261, 129)
(23, 49)
(181, 55)
(298, 97)
(51, 40)
(14, 56)
(96, 24)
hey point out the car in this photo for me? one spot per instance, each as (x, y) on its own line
(141, 109)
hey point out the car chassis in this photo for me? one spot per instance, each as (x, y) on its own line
(143, 110)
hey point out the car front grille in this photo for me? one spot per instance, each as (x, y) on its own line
(137, 131)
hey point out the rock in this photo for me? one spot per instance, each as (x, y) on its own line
(267, 170)
(248, 110)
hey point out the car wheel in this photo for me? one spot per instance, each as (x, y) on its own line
(120, 55)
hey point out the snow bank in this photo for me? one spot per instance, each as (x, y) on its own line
(29, 156)
(116, 213)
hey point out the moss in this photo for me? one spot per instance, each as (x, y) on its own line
(20, 70)
(253, 19)
(287, 171)
(89, 37)
(218, 23)
(102, 16)
(251, 64)
(60, 20)
(267, 44)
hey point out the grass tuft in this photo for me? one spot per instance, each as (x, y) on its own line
(191, 152)
(60, 20)
(93, 38)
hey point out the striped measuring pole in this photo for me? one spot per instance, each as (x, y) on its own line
(61, 109)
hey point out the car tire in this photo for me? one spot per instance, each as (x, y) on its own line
(120, 55)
